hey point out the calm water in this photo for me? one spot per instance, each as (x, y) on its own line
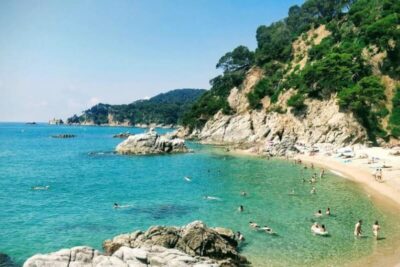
(85, 179)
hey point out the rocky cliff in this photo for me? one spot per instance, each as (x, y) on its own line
(276, 128)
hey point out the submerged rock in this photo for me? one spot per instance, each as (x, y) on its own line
(122, 135)
(152, 143)
(64, 136)
(192, 245)
(5, 261)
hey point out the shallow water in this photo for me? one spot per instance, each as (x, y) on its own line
(86, 178)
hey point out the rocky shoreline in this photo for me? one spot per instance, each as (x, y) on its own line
(194, 244)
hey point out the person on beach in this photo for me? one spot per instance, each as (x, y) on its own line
(357, 229)
(328, 211)
(240, 209)
(375, 229)
(313, 191)
(254, 225)
(318, 213)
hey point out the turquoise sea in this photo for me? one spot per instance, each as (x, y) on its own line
(86, 178)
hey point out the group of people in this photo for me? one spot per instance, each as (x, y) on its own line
(375, 229)
(265, 228)
(319, 212)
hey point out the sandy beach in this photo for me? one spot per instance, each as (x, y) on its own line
(361, 170)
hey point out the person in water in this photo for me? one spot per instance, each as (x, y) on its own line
(240, 209)
(239, 236)
(375, 229)
(116, 205)
(318, 214)
(323, 229)
(243, 193)
(313, 190)
(328, 211)
(357, 229)
(267, 229)
(254, 225)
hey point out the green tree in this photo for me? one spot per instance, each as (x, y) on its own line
(241, 58)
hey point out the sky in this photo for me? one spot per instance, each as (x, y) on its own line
(58, 58)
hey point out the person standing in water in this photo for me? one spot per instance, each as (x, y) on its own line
(375, 229)
(357, 229)
(328, 211)
(239, 236)
(313, 190)
(240, 209)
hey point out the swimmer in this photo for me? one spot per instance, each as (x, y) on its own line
(40, 187)
(254, 225)
(318, 213)
(239, 236)
(357, 229)
(315, 227)
(211, 198)
(116, 205)
(292, 193)
(240, 209)
(375, 229)
(188, 178)
(267, 229)
(328, 211)
(313, 190)
(243, 193)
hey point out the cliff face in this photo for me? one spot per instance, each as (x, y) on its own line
(278, 131)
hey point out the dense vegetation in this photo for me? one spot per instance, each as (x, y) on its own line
(337, 65)
(166, 108)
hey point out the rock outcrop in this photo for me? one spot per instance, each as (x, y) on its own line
(152, 143)
(55, 121)
(277, 131)
(192, 245)
(64, 136)
(123, 257)
(195, 239)
(122, 135)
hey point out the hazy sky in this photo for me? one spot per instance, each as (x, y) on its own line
(58, 58)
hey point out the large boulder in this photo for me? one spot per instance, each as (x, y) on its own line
(194, 239)
(123, 257)
(74, 257)
(152, 143)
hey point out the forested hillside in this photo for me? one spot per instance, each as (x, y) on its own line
(166, 108)
(325, 48)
